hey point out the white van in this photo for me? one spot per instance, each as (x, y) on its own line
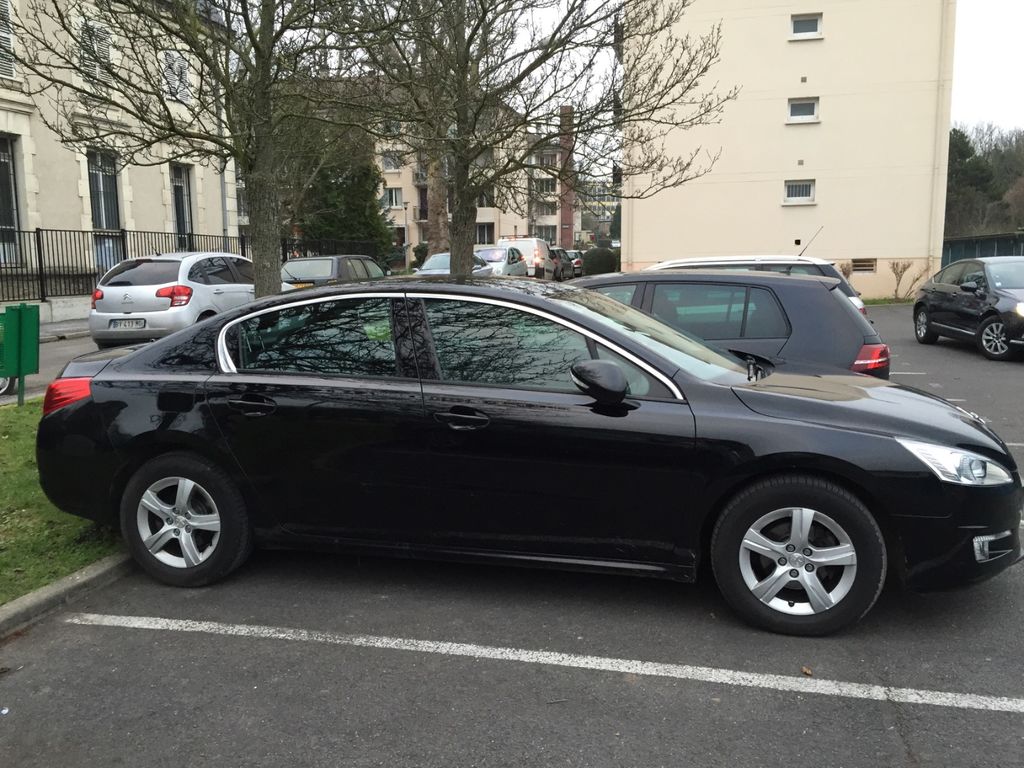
(537, 253)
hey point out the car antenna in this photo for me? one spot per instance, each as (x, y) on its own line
(811, 240)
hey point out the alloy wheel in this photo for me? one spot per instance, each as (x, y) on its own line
(178, 522)
(993, 338)
(921, 324)
(798, 561)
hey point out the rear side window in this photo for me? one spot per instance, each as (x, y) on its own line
(142, 272)
(333, 338)
(765, 318)
(705, 310)
(621, 293)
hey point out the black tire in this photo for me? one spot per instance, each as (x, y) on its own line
(227, 551)
(922, 327)
(205, 316)
(101, 345)
(855, 587)
(8, 386)
(992, 340)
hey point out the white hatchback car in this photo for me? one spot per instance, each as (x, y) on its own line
(505, 260)
(151, 297)
(539, 261)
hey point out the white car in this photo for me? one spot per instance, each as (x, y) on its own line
(151, 297)
(506, 260)
(539, 261)
(441, 264)
(788, 265)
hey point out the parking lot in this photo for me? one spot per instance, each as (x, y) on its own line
(321, 660)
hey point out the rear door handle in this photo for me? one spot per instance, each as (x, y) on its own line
(463, 419)
(218, 291)
(253, 405)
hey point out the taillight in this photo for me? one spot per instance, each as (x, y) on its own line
(863, 311)
(872, 358)
(64, 392)
(178, 294)
(537, 260)
(97, 295)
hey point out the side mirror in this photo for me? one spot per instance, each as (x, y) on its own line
(602, 380)
(970, 287)
(415, 269)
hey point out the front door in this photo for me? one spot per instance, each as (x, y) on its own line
(521, 462)
(325, 415)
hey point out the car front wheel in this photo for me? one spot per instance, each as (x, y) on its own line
(185, 521)
(993, 341)
(798, 555)
(7, 385)
(922, 328)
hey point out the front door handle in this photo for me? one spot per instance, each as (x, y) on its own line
(218, 291)
(253, 405)
(462, 419)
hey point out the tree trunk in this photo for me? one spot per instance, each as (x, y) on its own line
(437, 209)
(264, 215)
(463, 229)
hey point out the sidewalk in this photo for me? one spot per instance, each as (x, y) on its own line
(67, 329)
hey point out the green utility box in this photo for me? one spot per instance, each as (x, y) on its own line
(19, 344)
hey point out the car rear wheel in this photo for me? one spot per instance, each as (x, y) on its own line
(922, 328)
(185, 521)
(7, 385)
(993, 341)
(798, 555)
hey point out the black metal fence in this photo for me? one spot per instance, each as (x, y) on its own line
(957, 248)
(43, 263)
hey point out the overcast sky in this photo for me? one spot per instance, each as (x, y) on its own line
(988, 75)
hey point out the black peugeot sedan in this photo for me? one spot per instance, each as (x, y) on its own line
(353, 417)
(798, 319)
(979, 300)
(316, 271)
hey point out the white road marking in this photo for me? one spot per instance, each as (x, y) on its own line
(1016, 445)
(600, 663)
(908, 373)
(955, 400)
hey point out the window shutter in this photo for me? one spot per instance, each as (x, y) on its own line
(175, 75)
(6, 40)
(94, 56)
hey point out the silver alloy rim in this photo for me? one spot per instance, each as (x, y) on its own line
(798, 561)
(178, 522)
(922, 324)
(4, 381)
(994, 339)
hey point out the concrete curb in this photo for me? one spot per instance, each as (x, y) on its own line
(63, 336)
(28, 609)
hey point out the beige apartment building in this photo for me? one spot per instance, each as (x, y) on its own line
(840, 134)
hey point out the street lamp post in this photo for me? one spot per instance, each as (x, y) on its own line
(405, 244)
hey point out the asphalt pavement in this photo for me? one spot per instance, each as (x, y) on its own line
(325, 660)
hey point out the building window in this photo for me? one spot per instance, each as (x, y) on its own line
(393, 197)
(106, 215)
(9, 255)
(181, 196)
(486, 200)
(545, 208)
(94, 54)
(484, 234)
(391, 127)
(864, 265)
(805, 26)
(547, 232)
(545, 186)
(175, 72)
(800, 192)
(6, 40)
(803, 110)
(241, 199)
(391, 161)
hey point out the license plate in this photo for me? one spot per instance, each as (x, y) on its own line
(127, 323)
(302, 285)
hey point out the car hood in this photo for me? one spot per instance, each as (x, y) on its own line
(1013, 293)
(866, 404)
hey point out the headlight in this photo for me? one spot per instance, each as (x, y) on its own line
(1019, 309)
(957, 466)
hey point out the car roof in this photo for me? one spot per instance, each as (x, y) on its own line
(753, 259)
(992, 260)
(182, 255)
(705, 275)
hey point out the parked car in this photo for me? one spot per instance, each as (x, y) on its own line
(805, 320)
(787, 265)
(382, 401)
(539, 259)
(979, 300)
(151, 297)
(325, 270)
(504, 260)
(441, 264)
(576, 257)
(563, 264)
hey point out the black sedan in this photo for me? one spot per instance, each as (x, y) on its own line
(804, 320)
(355, 417)
(316, 271)
(979, 300)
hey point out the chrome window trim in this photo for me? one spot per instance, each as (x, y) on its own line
(227, 365)
(669, 384)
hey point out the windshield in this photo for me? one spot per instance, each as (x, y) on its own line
(142, 272)
(1008, 275)
(307, 269)
(438, 261)
(492, 254)
(691, 354)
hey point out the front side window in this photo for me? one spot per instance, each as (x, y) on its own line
(372, 268)
(244, 268)
(348, 337)
(951, 274)
(974, 273)
(217, 271)
(357, 268)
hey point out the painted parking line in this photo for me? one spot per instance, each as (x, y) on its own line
(600, 663)
(908, 373)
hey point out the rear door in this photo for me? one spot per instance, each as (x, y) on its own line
(245, 276)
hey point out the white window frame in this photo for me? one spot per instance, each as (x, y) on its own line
(393, 197)
(390, 162)
(794, 35)
(798, 119)
(7, 69)
(174, 71)
(809, 200)
(94, 61)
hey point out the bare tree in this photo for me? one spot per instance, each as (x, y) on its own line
(211, 81)
(484, 85)
(899, 269)
(846, 267)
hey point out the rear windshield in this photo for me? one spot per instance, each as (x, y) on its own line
(142, 272)
(492, 254)
(307, 269)
(438, 261)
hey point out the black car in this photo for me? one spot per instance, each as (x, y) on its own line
(980, 300)
(563, 264)
(357, 417)
(315, 271)
(799, 319)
